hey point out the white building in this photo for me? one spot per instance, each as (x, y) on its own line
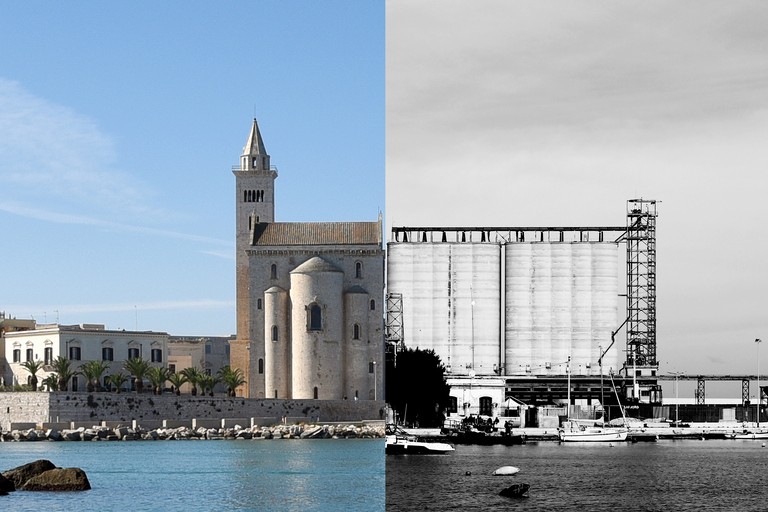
(79, 344)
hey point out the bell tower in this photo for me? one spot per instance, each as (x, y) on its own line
(254, 205)
(255, 187)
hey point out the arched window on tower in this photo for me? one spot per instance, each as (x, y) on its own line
(315, 318)
(258, 303)
(261, 366)
(356, 332)
(273, 271)
(315, 394)
(358, 270)
(274, 333)
(373, 305)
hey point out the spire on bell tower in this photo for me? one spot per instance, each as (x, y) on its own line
(255, 188)
(255, 157)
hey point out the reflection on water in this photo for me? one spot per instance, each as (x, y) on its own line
(668, 475)
(280, 475)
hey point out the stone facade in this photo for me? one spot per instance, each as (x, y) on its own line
(10, 324)
(150, 410)
(206, 353)
(80, 343)
(310, 296)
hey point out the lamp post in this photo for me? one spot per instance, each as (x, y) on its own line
(677, 399)
(757, 341)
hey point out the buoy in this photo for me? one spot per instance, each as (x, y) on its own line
(763, 445)
(468, 473)
(506, 470)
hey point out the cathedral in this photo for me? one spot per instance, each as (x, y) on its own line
(310, 296)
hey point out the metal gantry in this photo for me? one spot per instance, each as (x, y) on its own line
(394, 322)
(641, 282)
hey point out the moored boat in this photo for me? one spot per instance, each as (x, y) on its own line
(749, 435)
(592, 434)
(398, 444)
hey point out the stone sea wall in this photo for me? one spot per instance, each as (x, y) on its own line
(374, 430)
(30, 409)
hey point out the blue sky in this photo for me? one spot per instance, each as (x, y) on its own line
(522, 113)
(119, 125)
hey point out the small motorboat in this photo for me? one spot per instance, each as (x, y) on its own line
(398, 444)
(749, 435)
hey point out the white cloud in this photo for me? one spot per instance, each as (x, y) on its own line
(51, 153)
(65, 218)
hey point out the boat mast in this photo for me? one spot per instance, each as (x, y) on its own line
(621, 407)
(568, 370)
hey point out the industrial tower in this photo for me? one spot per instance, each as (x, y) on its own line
(641, 283)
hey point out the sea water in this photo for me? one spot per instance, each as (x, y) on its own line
(712, 475)
(224, 475)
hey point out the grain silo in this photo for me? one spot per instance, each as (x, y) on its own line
(522, 311)
(451, 300)
(561, 302)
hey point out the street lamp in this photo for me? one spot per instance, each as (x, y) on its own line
(677, 399)
(759, 397)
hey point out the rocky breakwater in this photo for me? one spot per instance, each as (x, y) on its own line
(43, 475)
(122, 433)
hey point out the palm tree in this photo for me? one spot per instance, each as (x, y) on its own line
(193, 377)
(232, 378)
(92, 371)
(51, 382)
(207, 382)
(63, 368)
(177, 380)
(157, 376)
(137, 367)
(32, 367)
(117, 380)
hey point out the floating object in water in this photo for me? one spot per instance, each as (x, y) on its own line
(506, 470)
(515, 491)
(763, 445)
(468, 473)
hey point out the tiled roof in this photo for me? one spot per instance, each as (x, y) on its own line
(318, 233)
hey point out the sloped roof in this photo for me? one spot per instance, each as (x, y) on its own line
(317, 233)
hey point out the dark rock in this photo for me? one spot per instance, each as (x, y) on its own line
(21, 474)
(58, 479)
(515, 491)
(6, 486)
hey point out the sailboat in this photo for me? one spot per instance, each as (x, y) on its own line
(572, 432)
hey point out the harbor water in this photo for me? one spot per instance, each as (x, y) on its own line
(264, 475)
(689, 475)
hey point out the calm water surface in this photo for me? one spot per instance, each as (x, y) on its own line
(265, 475)
(665, 476)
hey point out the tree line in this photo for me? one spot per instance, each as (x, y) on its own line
(139, 369)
